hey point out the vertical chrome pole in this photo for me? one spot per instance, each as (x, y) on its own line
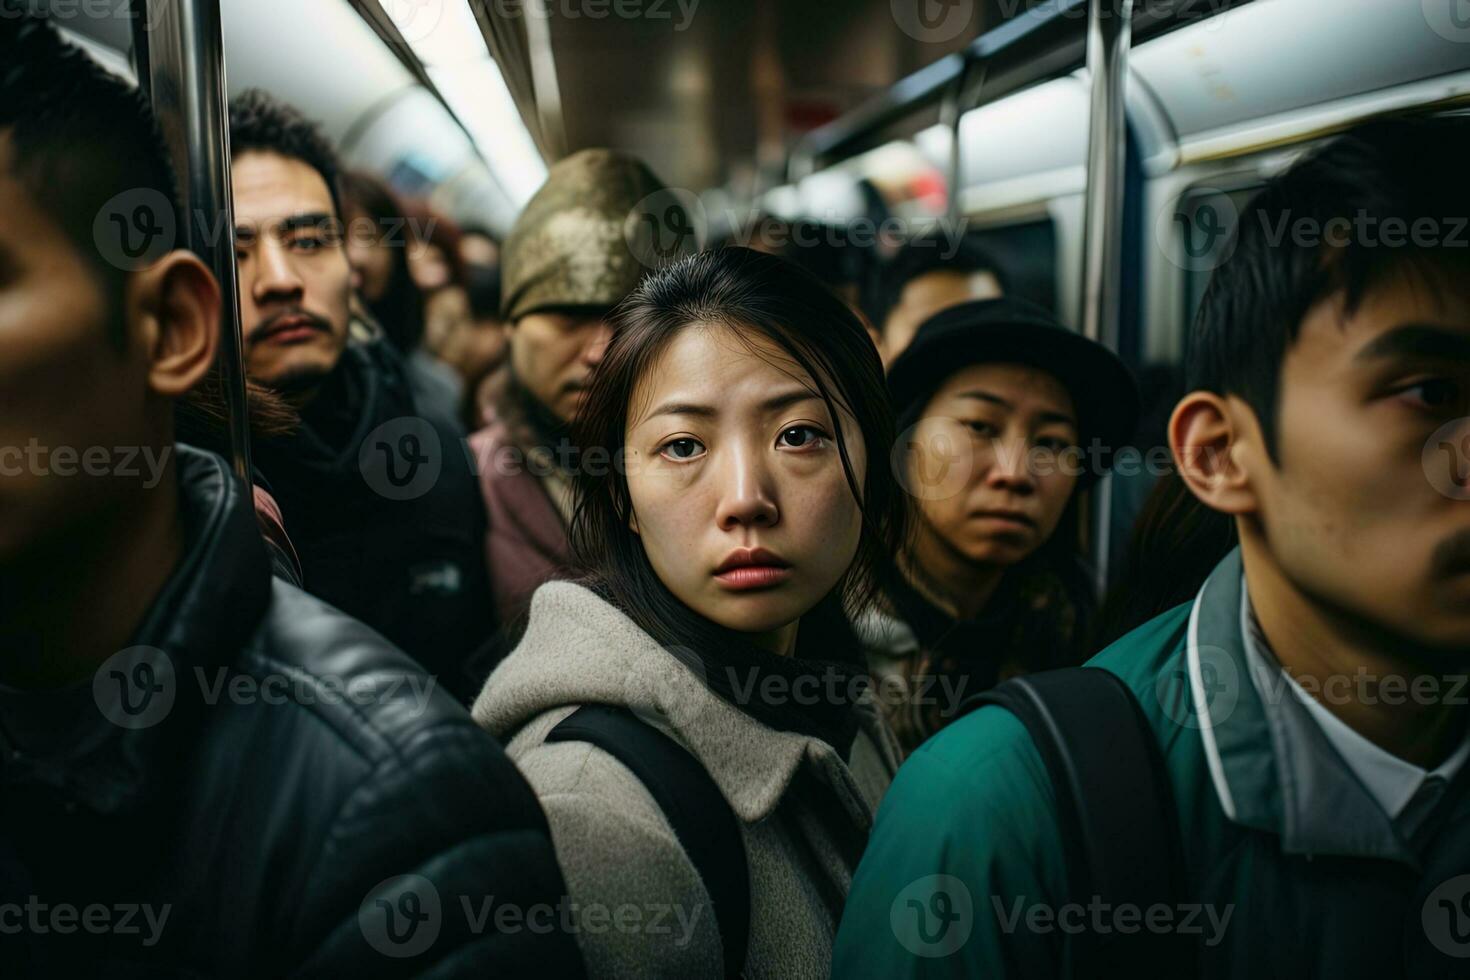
(1109, 36)
(958, 101)
(183, 62)
(950, 112)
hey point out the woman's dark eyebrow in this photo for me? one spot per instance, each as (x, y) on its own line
(1418, 340)
(772, 404)
(789, 398)
(682, 408)
(985, 396)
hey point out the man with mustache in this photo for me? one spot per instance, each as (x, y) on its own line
(1308, 704)
(571, 257)
(378, 495)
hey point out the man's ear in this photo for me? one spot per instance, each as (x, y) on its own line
(177, 301)
(1205, 438)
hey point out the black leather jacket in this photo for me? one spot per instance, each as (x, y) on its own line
(240, 798)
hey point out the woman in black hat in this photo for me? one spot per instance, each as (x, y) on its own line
(1003, 414)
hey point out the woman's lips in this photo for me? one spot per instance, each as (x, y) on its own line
(748, 577)
(1006, 520)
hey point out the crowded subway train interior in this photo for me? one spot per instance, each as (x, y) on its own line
(668, 488)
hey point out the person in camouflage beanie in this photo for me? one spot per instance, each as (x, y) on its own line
(569, 247)
(573, 255)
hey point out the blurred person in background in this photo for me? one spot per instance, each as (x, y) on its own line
(928, 274)
(390, 258)
(485, 344)
(566, 264)
(998, 405)
(378, 496)
(478, 246)
(437, 268)
(831, 255)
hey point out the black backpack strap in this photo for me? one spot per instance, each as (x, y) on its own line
(706, 827)
(1115, 807)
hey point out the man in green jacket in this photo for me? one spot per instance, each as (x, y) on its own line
(1309, 702)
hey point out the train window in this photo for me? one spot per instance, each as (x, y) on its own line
(1027, 253)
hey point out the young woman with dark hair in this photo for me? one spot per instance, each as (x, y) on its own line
(734, 499)
(1005, 415)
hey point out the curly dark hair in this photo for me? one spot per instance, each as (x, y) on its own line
(260, 122)
(78, 138)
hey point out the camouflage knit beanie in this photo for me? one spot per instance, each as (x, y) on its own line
(570, 246)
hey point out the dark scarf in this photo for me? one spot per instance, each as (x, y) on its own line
(1035, 621)
(546, 429)
(364, 390)
(811, 693)
(977, 645)
(347, 396)
(534, 427)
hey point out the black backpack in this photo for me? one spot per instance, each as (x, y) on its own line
(706, 827)
(1115, 808)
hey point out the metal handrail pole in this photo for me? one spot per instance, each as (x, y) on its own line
(185, 72)
(1109, 35)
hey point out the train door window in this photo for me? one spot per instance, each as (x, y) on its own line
(1027, 255)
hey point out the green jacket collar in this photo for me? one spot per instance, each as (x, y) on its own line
(1271, 765)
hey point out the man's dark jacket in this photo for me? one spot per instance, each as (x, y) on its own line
(275, 783)
(384, 508)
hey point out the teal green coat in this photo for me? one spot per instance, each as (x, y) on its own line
(1303, 877)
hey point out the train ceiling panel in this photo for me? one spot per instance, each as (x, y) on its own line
(319, 55)
(713, 91)
(1248, 64)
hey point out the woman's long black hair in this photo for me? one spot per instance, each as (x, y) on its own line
(750, 293)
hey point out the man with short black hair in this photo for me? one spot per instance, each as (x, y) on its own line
(1308, 706)
(929, 274)
(204, 770)
(379, 495)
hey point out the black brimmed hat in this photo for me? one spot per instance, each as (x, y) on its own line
(1014, 331)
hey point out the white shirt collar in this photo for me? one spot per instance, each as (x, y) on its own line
(1391, 781)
